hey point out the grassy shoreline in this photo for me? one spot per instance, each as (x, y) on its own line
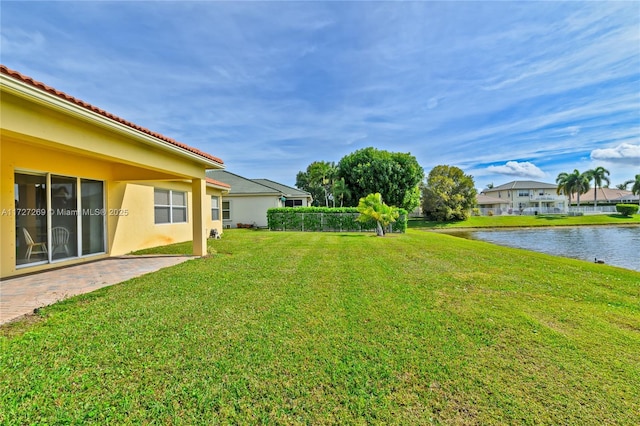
(527, 221)
(295, 328)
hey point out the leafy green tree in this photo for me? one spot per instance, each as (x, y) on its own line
(303, 181)
(597, 175)
(394, 175)
(412, 198)
(318, 180)
(448, 194)
(371, 207)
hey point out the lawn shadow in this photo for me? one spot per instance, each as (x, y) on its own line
(551, 216)
(619, 216)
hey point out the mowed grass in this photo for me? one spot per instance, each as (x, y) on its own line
(529, 221)
(302, 328)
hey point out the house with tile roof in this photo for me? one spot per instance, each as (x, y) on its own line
(248, 200)
(78, 183)
(489, 206)
(606, 196)
(529, 197)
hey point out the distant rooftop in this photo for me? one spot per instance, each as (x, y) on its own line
(522, 184)
(244, 186)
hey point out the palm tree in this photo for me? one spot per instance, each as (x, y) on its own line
(340, 190)
(573, 182)
(597, 175)
(582, 184)
(323, 174)
(565, 185)
(372, 207)
(635, 189)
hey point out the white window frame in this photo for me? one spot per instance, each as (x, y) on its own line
(215, 207)
(228, 210)
(171, 206)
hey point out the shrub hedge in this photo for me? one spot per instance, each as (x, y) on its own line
(627, 209)
(326, 219)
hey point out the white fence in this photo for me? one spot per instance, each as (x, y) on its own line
(593, 210)
(531, 211)
(518, 212)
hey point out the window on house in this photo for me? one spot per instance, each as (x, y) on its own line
(226, 210)
(215, 208)
(170, 206)
(293, 203)
(523, 193)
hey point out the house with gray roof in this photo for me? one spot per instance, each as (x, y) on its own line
(490, 206)
(529, 197)
(248, 200)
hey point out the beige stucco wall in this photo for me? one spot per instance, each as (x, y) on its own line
(38, 138)
(138, 200)
(515, 200)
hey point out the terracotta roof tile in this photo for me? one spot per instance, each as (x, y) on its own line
(218, 183)
(25, 79)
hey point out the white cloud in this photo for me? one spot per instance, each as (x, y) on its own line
(625, 153)
(432, 103)
(514, 168)
(21, 43)
(573, 130)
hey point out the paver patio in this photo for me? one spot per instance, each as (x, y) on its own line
(20, 296)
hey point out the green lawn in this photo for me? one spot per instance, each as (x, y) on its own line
(294, 328)
(528, 221)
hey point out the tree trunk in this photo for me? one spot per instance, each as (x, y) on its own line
(379, 230)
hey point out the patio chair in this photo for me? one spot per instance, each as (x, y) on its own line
(59, 240)
(32, 246)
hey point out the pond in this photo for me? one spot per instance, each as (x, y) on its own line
(615, 245)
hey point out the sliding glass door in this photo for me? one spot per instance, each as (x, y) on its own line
(31, 210)
(93, 212)
(58, 217)
(64, 217)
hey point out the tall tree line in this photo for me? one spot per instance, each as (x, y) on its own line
(395, 176)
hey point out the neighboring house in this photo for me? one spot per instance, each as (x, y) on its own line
(605, 196)
(79, 184)
(626, 199)
(529, 197)
(491, 205)
(249, 199)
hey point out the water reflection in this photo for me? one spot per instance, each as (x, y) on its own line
(616, 245)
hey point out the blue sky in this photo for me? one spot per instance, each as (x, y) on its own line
(504, 90)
